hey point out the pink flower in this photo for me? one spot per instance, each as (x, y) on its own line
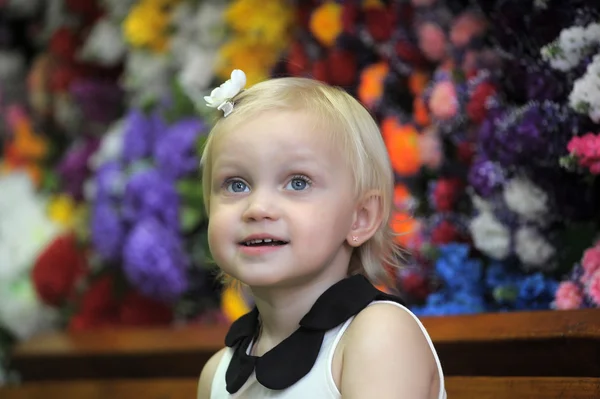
(443, 103)
(432, 41)
(568, 296)
(465, 27)
(586, 149)
(590, 263)
(593, 288)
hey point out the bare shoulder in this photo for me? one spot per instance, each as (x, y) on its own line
(207, 375)
(386, 355)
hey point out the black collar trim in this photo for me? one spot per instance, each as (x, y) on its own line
(294, 357)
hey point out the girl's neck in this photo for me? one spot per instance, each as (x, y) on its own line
(281, 310)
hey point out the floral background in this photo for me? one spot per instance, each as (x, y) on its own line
(490, 111)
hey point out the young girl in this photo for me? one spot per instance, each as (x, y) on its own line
(298, 187)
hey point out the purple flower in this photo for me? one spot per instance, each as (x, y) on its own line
(534, 135)
(154, 260)
(175, 152)
(486, 176)
(107, 231)
(150, 194)
(73, 168)
(99, 100)
(140, 135)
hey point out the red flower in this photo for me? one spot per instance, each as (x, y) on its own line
(141, 311)
(409, 53)
(415, 284)
(446, 193)
(64, 44)
(445, 232)
(350, 14)
(476, 108)
(342, 67)
(320, 70)
(465, 151)
(380, 23)
(57, 270)
(88, 9)
(98, 307)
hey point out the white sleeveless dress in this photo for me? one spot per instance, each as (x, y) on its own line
(318, 383)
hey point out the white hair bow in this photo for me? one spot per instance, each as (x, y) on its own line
(220, 97)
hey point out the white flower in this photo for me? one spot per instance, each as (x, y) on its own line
(197, 72)
(104, 44)
(592, 33)
(526, 199)
(490, 236)
(534, 250)
(110, 147)
(22, 313)
(147, 75)
(220, 97)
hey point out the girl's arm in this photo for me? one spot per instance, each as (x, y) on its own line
(207, 375)
(386, 356)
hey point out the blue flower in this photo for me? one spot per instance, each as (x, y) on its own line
(536, 292)
(175, 151)
(148, 193)
(154, 260)
(107, 231)
(109, 180)
(456, 269)
(141, 132)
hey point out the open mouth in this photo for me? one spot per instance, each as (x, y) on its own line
(266, 242)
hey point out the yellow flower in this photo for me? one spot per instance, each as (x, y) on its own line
(255, 59)
(233, 304)
(326, 23)
(62, 210)
(266, 22)
(147, 24)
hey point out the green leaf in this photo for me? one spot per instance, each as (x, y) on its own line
(190, 217)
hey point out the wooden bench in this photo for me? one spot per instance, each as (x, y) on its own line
(533, 355)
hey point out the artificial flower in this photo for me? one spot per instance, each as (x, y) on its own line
(592, 288)
(139, 137)
(432, 41)
(146, 26)
(326, 23)
(268, 23)
(107, 231)
(97, 307)
(477, 106)
(590, 262)
(534, 250)
(57, 270)
(403, 146)
(229, 89)
(586, 150)
(104, 44)
(445, 193)
(175, 152)
(466, 27)
(568, 296)
(486, 176)
(21, 312)
(523, 197)
(585, 96)
(371, 85)
(443, 102)
(154, 260)
(490, 236)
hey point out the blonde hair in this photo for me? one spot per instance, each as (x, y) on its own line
(352, 128)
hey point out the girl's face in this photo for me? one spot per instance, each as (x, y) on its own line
(282, 202)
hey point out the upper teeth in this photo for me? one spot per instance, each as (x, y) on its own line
(266, 240)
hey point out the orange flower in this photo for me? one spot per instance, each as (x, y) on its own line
(326, 23)
(417, 82)
(402, 196)
(420, 112)
(403, 146)
(405, 227)
(370, 88)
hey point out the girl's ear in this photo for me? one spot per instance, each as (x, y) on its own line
(368, 217)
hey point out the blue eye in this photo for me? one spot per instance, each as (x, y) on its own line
(236, 186)
(298, 183)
